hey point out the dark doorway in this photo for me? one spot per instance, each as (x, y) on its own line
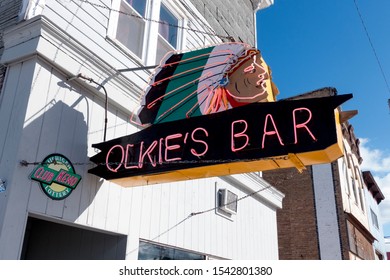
(46, 240)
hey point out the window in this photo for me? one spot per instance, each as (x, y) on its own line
(359, 181)
(345, 172)
(152, 251)
(167, 32)
(147, 29)
(374, 219)
(361, 196)
(131, 29)
(355, 191)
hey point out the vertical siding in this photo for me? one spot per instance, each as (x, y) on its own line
(229, 18)
(14, 201)
(88, 24)
(68, 117)
(250, 234)
(9, 11)
(158, 212)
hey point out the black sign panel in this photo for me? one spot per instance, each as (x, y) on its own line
(246, 133)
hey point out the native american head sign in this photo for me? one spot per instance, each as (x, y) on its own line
(207, 114)
(206, 81)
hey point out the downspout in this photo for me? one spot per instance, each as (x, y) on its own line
(258, 5)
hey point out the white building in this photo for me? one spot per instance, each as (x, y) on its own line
(46, 108)
(387, 246)
(374, 197)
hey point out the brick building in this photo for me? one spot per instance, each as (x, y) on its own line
(324, 213)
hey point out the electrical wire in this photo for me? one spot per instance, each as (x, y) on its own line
(156, 21)
(210, 210)
(213, 161)
(372, 45)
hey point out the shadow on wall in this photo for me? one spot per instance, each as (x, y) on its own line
(62, 129)
(59, 128)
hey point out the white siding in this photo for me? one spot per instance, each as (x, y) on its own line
(14, 103)
(50, 114)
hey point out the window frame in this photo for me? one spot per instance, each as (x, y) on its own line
(113, 28)
(181, 19)
(151, 34)
(374, 219)
(167, 252)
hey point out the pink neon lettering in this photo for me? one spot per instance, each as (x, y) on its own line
(206, 148)
(127, 157)
(147, 152)
(171, 147)
(271, 132)
(160, 158)
(302, 125)
(239, 134)
(119, 163)
(185, 138)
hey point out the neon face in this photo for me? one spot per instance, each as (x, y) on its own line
(204, 81)
(248, 82)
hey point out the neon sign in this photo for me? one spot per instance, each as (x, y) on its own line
(255, 137)
(206, 81)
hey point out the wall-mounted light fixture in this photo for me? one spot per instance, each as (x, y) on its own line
(82, 76)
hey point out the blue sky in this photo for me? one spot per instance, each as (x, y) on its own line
(310, 44)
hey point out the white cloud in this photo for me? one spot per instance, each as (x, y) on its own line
(384, 184)
(374, 160)
(378, 162)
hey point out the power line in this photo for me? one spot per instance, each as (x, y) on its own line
(192, 214)
(211, 161)
(156, 21)
(210, 210)
(372, 46)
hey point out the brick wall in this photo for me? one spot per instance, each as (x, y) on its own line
(229, 18)
(297, 230)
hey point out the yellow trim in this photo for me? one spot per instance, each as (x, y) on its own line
(299, 161)
(317, 157)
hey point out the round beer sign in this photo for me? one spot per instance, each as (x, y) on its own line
(57, 176)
